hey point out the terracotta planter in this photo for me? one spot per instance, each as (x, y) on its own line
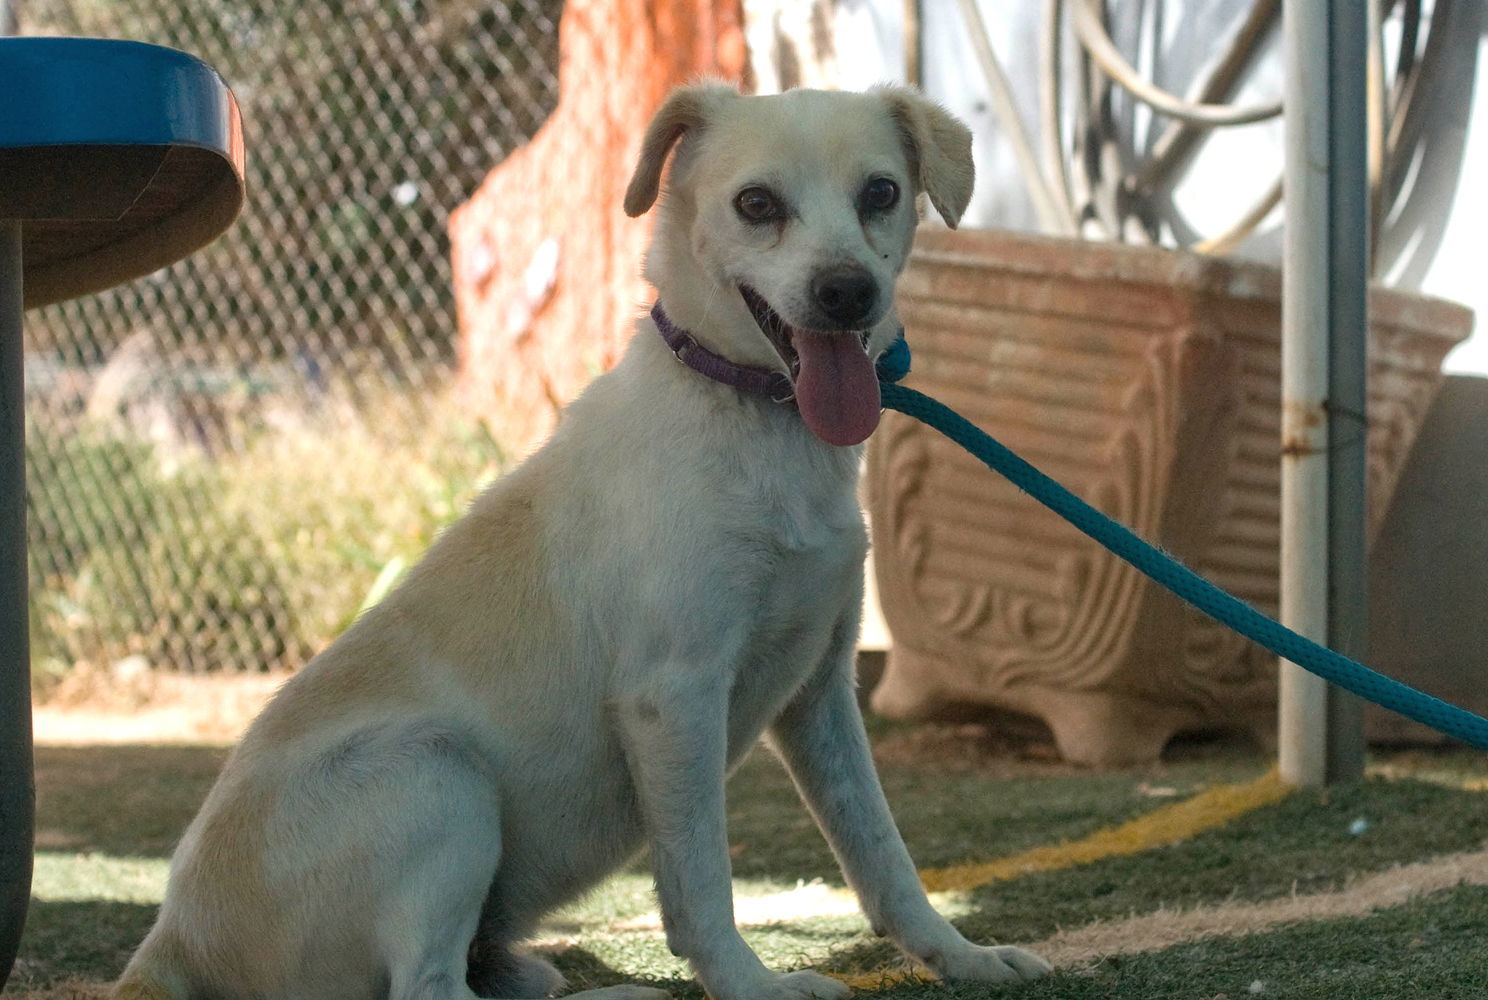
(1148, 382)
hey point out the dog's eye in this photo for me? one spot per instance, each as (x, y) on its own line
(755, 204)
(879, 195)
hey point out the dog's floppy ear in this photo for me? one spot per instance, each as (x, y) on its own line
(686, 109)
(939, 150)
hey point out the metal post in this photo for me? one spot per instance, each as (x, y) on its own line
(1324, 308)
(17, 781)
(17, 784)
(1348, 372)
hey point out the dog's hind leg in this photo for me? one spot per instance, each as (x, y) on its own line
(429, 908)
(432, 986)
(426, 933)
(425, 938)
(500, 972)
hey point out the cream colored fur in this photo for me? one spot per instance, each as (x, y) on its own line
(575, 666)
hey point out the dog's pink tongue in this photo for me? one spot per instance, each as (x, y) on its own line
(836, 388)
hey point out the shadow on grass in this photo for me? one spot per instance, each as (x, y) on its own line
(954, 807)
(1427, 948)
(123, 800)
(1311, 842)
(586, 971)
(67, 940)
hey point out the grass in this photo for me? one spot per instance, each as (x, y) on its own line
(1431, 949)
(109, 815)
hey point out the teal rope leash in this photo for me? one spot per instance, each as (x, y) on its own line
(1168, 572)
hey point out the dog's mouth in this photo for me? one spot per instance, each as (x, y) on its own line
(836, 386)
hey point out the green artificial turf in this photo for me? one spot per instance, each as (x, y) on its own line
(1430, 949)
(107, 818)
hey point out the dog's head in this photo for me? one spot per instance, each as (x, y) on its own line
(786, 221)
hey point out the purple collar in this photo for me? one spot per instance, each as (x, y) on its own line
(764, 381)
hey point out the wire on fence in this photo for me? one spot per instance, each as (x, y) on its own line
(226, 458)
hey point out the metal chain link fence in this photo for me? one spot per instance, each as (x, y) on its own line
(229, 458)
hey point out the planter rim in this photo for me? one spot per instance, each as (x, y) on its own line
(1035, 254)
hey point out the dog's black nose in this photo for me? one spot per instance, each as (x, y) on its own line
(846, 295)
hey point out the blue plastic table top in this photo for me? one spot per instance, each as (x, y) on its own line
(116, 159)
(119, 157)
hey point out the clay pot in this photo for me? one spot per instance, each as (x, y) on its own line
(1148, 382)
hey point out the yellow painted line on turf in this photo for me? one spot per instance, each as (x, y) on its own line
(883, 978)
(1417, 770)
(1169, 825)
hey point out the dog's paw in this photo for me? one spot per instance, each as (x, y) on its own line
(994, 964)
(802, 985)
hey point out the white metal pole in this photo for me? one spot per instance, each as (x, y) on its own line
(1323, 322)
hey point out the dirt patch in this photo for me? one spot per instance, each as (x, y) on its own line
(91, 708)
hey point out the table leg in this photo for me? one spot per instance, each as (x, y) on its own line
(17, 778)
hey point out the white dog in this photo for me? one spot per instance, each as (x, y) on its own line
(578, 663)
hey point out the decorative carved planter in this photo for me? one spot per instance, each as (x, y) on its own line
(1148, 382)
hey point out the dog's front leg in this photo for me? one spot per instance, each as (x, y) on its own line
(676, 748)
(820, 737)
